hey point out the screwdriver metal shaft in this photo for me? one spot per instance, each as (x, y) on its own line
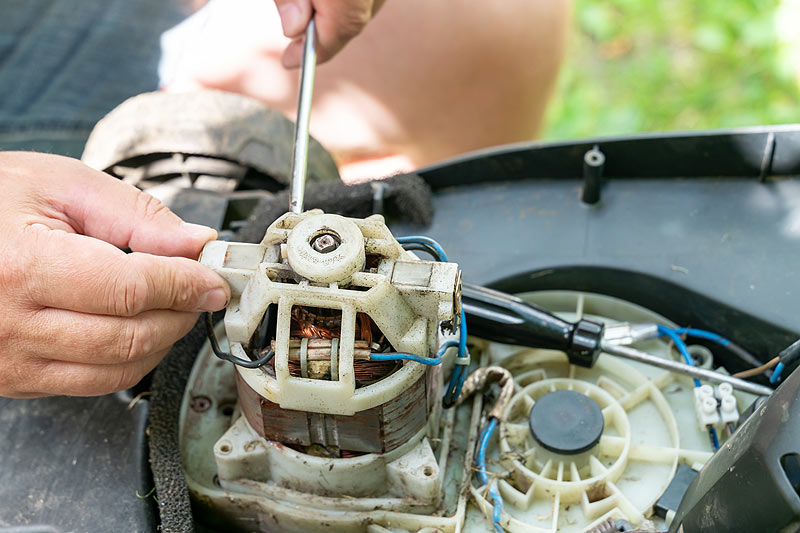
(681, 368)
(300, 151)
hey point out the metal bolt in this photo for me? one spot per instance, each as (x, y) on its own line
(325, 243)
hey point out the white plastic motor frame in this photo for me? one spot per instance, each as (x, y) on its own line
(406, 298)
(409, 472)
(237, 477)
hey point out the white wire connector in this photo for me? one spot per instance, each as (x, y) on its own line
(728, 409)
(722, 390)
(705, 406)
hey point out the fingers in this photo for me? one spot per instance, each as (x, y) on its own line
(79, 316)
(104, 340)
(98, 205)
(336, 23)
(295, 15)
(48, 377)
(79, 273)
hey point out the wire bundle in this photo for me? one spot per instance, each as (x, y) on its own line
(419, 242)
(403, 356)
(475, 382)
(266, 355)
(675, 336)
(741, 353)
(786, 358)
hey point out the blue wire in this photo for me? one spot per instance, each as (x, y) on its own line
(714, 438)
(462, 340)
(703, 334)
(454, 386)
(494, 493)
(401, 356)
(444, 347)
(460, 372)
(421, 239)
(482, 445)
(674, 335)
(776, 374)
(684, 351)
(457, 382)
(497, 508)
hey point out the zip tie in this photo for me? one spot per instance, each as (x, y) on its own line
(304, 357)
(464, 361)
(335, 359)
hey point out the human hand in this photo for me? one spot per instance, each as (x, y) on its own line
(78, 316)
(336, 22)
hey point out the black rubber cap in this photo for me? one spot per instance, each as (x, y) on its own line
(584, 346)
(565, 421)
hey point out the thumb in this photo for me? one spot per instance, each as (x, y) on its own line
(295, 15)
(103, 207)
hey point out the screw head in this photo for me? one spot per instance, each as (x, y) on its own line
(200, 403)
(325, 243)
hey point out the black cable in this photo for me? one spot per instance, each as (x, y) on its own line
(225, 356)
(787, 357)
(790, 354)
(743, 354)
(419, 246)
(453, 392)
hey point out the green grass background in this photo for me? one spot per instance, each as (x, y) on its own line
(660, 65)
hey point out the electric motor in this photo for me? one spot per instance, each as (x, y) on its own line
(353, 321)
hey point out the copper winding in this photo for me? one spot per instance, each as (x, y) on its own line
(320, 349)
(306, 324)
(326, 324)
(307, 330)
(390, 424)
(326, 318)
(365, 371)
(364, 329)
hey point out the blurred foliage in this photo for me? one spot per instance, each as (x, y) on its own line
(637, 66)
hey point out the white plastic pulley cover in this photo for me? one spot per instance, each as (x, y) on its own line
(338, 255)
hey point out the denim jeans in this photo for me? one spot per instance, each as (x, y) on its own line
(64, 64)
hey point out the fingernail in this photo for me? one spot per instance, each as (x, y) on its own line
(291, 19)
(199, 232)
(213, 300)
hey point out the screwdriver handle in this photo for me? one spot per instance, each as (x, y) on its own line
(502, 317)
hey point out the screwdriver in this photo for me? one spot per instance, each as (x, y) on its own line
(505, 318)
(300, 149)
